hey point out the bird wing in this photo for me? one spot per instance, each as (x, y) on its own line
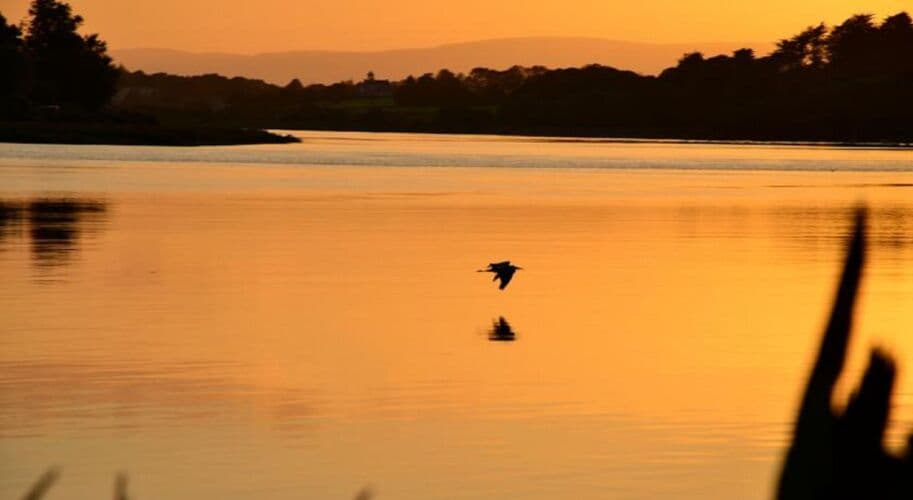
(505, 276)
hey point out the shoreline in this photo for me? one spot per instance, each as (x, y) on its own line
(115, 134)
(571, 138)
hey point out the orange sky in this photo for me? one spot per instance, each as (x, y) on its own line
(276, 25)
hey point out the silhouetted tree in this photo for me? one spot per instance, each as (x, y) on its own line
(690, 60)
(808, 49)
(896, 44)
(743, 56)
(852, 45)
(294, 85)
(293, 90)
(897, 32)
(69, 69)
(12, 61)
(490, 86)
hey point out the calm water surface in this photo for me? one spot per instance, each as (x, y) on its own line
(304, 321)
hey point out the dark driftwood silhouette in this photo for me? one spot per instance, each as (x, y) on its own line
(120, 487)
(42, 485)
(842, 455)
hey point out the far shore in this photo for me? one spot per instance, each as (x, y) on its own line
(205, 135)
(595, 138)
(135, 134)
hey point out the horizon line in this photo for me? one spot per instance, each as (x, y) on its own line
(746, 44)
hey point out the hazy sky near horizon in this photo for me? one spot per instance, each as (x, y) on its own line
(275, 25)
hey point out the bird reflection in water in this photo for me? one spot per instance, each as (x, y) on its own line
(501, 331)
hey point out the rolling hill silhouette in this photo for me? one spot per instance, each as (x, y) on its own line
(315, 66)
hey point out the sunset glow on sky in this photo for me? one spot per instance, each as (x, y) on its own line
(277, 25)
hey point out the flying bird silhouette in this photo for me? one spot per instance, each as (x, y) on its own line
(502, 270)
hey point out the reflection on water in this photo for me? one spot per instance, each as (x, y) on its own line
(54, 225)
(11, 215)
(892, 226)
(54, 394)
(243, 330)
(501, 331)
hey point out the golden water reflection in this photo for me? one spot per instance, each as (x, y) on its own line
(307, 340)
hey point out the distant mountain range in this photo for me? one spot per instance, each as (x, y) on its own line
(315, 66)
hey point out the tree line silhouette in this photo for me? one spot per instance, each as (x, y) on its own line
(852, 82)
(47, 62)
(56, 85)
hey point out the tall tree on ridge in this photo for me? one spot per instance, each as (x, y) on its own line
(69, 69)
(12, 61)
